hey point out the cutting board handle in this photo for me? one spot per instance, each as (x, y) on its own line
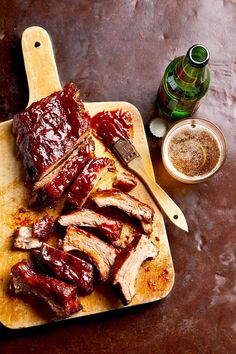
(40, 65)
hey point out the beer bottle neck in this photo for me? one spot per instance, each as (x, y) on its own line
(197, 56)
(192, 67)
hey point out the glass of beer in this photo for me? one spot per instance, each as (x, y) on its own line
(193, 150)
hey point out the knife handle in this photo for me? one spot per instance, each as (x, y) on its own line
(40, 65)
(159, 195)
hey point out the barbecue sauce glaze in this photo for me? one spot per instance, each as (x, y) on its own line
(110, 126)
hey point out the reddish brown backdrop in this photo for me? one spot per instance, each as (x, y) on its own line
(117, 50)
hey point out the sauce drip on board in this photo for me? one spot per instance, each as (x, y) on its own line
(110, 126)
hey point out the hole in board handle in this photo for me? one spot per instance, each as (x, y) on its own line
(175, 216)
(37, 44)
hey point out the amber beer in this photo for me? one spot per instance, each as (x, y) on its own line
(193, 150)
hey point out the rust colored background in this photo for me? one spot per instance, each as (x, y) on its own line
(118, 50)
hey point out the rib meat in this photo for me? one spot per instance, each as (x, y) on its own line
(30, 237)
(88, 218)
(127, 264)
(123, 201)
(87, 180)
(66, 267)
(100, 253)
(24, 239)
(43, 228)
(146, 227)
(60, 296)
(125, 181)
(49, 130)
(50, 189)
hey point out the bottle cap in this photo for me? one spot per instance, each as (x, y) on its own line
(158, 127)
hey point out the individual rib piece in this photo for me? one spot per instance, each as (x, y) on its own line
(60, 296)
(100, 253)
(65, 267)
(50, 189)
(43, 228)
(30, 237)
(87, 180)
(23, 239)
(110, 126)
(48, 131)
(123, 201)
(88, 218)
(127, 264)
(146, 227)
(125, 181)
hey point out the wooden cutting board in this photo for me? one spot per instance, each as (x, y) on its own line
(155, 278)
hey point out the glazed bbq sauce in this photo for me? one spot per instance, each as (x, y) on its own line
(44, 227)
(59, 293)
(53, 190)
(110, 126)
(52, 126)
(85, 182)
(193, 152)
(65, 267)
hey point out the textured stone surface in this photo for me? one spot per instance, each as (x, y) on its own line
(118, 50)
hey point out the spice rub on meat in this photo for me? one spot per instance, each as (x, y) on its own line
(49, 130)
(89, 218)
(87, 180)
(65, 266)
(50, 189)
(100, 253)
(127, 264)
(60, 296)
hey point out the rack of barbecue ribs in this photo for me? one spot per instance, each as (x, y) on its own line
(49, 130)
(53, 138)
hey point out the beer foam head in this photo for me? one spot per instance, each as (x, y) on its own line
(193, 150)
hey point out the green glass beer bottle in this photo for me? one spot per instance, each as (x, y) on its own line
(185, 81)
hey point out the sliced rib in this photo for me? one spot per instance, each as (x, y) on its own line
(43, 227)
(128, 262)
(30, 237)
(24, 239)
(125, 181)
(65, 267)
(87, 180)
(89, 218)
(49, 130)
(100, 253)
(60, 296)
(50, 189)
(123, 201)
